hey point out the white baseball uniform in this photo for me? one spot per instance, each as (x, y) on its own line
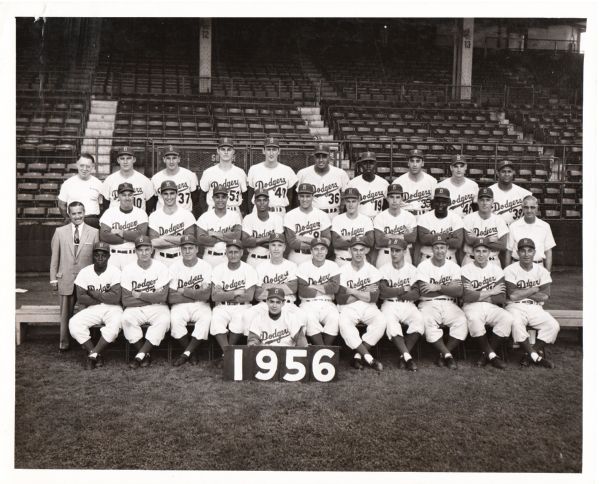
(198, 312)
(152, 279)
(256, 228)
(462, 195)
(277, 181)
(209, 220)
(441, 310)
(528, 312)
(142, 188)
(478, 314)
(348, 228)
(395, 311)
(480, 227)
(187, 182)
(417, 193)
(390, 224)
(372, 194)
(231, 314)
(123, 254)
(234, 179)
(170, 224)
(279, 332)
(85, 191)
(540, 233)
(306, 224)
(436, 225)
(321, 314)
(109, 314)
(328, 187)
(360, 311)
(508, 203)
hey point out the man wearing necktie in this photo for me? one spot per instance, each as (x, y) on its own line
(72, 246)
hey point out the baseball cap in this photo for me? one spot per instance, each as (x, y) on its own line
(526, 242)
(277, 238)
(504, 163)
(398, 244)
(234, 242)
(485, 192)
(188, 239)
(261, 192)
(143, 240)
(351, 193)
(125, 150)
(416, 153)
(275, 292)
(322, 148)
(367, 156)
(438, 239)
(125, 187)
(219, 189)
(271, 141)
(442, 192)
(306, 188)
(455, 159)
(101, 246)
(480, 242)
(319, 241)
(357, 241)
(395, 188)
(226, 141)
(170, 150)
(168, 185)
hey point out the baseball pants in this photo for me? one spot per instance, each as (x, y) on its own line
(167, 261)
(157, 316)
(343, 258)
(214, 258)
(119, 260)
(468, 258)
(321, 316)
(298, 257)
(255, 260)
(443, 313)
(449, 256)
(384, 257)
(398, 312)
(479, 314)
(231, 316)
(360, 311)
(198, 312)
(536, 317)
(108, 314)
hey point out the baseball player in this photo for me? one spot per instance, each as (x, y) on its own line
(328, 180)
(143, 190)
(258, 227)
(217, 226)
(508, 197)
(168, 223)
(224, 174)
(85, 188)
(462, 190)
(440, 284)
(318, 282)
(528, 287)
(394, 223)
(418, 186)
(144, 285)
(120, 226)
(189, 295)
(440, 221)
(273, 326)
(304, 223)
(532, 227)
(399, 291)
(233, 285)
(484, 292)
(275, 177)
(98, 288)
(485, 223)
(185, 180)
(372, 188)
(356, 300)
(350, 224)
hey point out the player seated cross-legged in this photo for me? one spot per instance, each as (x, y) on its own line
(356, 299)
(399, 291)
(484, 291)
(440, 284)
(98, 288)
(273, 326)
(189, 295)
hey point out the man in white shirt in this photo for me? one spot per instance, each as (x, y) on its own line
(418, 186)
(462, 190)
(508, 197)
(372, 188)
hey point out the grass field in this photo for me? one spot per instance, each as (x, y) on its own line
(518, 420)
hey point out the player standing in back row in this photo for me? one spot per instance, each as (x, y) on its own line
(508, 197)
(462, 190)
(372, 188)
(418, 186)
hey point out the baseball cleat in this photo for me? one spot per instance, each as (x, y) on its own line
(450, 363)
(99, 361)
(525, 361)
(376, 365)
(498, 363)
(147, 361)
(220, 363)
(181, 360)
(134, 364)
(482, 360)
(90, 363)
(194, 359)
(440, 362)
(357, 363)
(401, 363)
(410, 365)
(545, 363)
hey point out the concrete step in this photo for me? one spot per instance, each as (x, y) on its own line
(104, 103)
(97, 142)
(319, 131)
(309, 110)
(94, 132)
(100, 125)
(311, 117)
(316, 124)
(326, 137)
(102, 117)
(101, 110)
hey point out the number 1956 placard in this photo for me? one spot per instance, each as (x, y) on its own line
(281, 363)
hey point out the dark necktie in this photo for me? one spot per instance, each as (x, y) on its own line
(76, 238)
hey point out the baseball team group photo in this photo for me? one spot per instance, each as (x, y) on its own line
(299, 244)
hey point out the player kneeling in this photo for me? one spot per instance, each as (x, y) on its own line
(358, 293)
(98, 287)
(484, 290)
(188, 295)
(399, 290)
(273, 326)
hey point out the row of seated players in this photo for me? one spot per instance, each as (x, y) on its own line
(146, 288)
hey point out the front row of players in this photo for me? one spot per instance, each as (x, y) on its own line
(423, 300)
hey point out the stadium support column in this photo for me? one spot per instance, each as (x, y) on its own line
(205, 84)
(463, 48)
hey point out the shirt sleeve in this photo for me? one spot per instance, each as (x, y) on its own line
(510, 275)
(251, 278)
(501, 227)
(545, 276)
(193, 181)
(126, 280)
(164, 277)
(62, 195)
(173, 277)
(251, 176)
(189, 220)
(549, 241)
(325, 221)
(149, 191)
(204, 182)
(291, 177)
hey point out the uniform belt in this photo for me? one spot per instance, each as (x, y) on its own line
(116, 251)
(256, 256)
(393, 299)
(526, 302)
(534, 261)
(447, 257)
(490, 257)
(302, 251)
(231, 303)
(276, 209)
(169, 255)
(386, 251)
(346, 259)
(211, 252)
(330, 210)
(233, 208)
(439, 299)
(316, 299)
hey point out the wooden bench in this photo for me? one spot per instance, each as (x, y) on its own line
(567, 318)
(35, 316)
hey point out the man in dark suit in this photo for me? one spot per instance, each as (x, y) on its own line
(72, 248)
